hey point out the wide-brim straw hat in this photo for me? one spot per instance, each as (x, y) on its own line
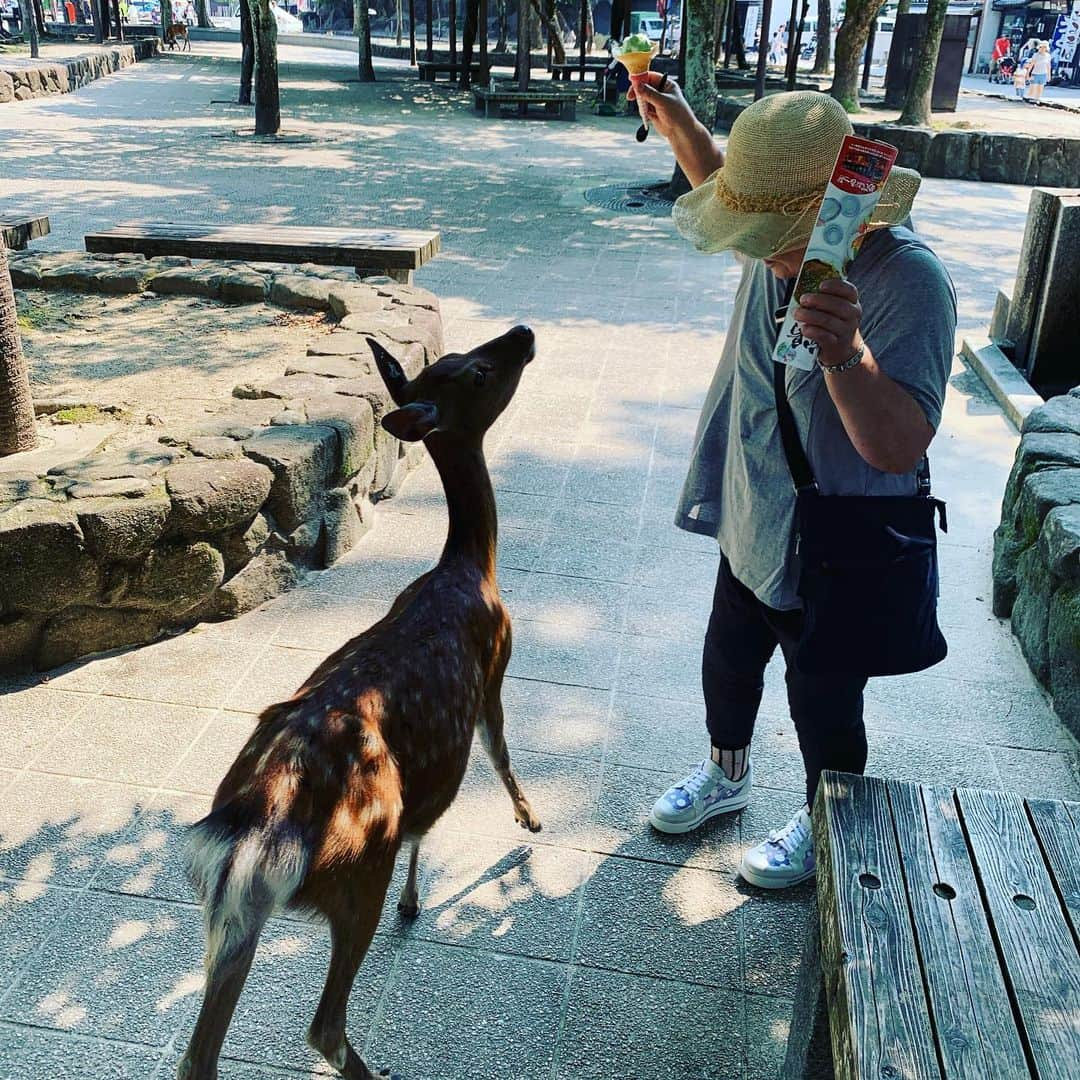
(780, 156)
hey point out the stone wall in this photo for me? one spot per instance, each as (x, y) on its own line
(19, 83)
(1001, 157)
(1037, 551)
(207, 523)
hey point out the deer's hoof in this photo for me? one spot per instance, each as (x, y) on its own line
(407, 909)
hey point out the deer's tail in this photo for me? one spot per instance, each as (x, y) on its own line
(244, 867)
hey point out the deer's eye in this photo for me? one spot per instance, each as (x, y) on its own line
(479, 378)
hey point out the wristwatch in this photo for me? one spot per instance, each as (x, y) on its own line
(845, 365)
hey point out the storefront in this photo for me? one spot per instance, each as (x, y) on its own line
(1043, 20)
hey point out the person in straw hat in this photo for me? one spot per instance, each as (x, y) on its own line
(866, 415)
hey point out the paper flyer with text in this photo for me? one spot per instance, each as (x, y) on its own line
(858, 177)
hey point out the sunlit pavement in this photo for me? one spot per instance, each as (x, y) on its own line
(597, 948)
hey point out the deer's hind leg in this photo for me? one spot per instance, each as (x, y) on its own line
(409, 901)
(491, 735)
(353, 911)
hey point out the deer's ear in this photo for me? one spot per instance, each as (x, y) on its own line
(411, 423)
(390, 370)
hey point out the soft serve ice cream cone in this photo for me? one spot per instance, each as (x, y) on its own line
(636, 55)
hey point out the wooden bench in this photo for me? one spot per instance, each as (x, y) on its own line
(394, 252)
(430, 68)
(17, 230)
(596, 65)
(556, 102)
(946, 941)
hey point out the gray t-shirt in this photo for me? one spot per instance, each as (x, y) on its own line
(739, 489)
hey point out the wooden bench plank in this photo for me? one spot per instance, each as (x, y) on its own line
(1034, 938)
(555, 97)
(17, 230)
(1057, 825)
(880, 1025)
(969, 1002)
(367, 240)
(428, 69)
(397, 249)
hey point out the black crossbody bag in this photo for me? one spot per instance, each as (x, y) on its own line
(868, 570)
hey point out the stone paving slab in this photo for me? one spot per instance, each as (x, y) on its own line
(594, 948)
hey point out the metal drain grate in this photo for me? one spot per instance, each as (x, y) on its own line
(630, 199)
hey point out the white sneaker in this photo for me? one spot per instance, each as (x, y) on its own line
(786, 858)
(705, 793)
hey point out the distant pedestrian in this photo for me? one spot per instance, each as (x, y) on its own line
(1039, 69)
(1002, 48)
(1020, 79)
(778, 46)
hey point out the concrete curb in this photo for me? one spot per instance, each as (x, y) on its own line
(1010, 389)
(992, 156)
(62, 76)
(344, 43)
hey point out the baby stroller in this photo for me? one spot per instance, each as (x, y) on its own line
(1003, 73)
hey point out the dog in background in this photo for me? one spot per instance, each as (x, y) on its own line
(371, 750)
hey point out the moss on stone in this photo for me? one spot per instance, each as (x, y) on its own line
(80, 414)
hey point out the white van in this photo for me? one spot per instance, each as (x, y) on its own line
(652, 26)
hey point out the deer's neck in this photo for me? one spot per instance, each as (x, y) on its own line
(470, 501)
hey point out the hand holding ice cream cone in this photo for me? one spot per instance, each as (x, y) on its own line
(661, 105)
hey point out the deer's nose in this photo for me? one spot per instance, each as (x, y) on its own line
(521, 331)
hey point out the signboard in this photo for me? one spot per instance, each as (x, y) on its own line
(1064, 43)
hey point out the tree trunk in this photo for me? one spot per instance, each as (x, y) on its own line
(763, 49)
(697, 69)
(39, 17)
(30, 31)
(523, 60)
(500, 9)
(850, 43)
(400, 18)
(720, 28)
(917, 103)
(98, 8)
(536, 37)
(554, 33)
(247, 53)
(823, 53)
(468, 40)
(362, 29)
(17, 431)
(202, 15)
(903, 8)
(697, 46)
(267, 92)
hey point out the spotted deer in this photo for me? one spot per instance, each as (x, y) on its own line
(371, 750)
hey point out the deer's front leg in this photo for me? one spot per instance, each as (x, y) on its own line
(491, 734)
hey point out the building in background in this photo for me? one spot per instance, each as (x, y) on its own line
(1056, 21)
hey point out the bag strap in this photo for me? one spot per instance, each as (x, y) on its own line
(802, 476)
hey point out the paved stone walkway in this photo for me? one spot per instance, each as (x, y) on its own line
(597, 948)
